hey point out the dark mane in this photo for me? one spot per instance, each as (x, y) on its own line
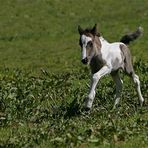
(89, 30)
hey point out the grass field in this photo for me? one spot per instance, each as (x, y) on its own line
(43, 83)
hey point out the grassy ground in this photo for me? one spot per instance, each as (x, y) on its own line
(43, 84)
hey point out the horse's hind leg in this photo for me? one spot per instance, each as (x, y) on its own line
(118, 83)
(136, 81)
(128, 67)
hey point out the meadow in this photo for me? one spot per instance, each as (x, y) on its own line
(43, 83)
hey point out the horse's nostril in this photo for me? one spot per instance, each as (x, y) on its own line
(84, 61)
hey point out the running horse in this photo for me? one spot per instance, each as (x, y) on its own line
(107, 58)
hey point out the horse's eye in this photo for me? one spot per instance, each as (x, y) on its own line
(89, 44)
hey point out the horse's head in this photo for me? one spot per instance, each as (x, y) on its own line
(89, 42)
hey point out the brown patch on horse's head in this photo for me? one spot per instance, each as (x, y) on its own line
(89, 42)
(90, 32)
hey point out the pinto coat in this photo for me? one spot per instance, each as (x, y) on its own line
(107, 58)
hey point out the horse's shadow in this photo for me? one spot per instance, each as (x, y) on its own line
(73, 109)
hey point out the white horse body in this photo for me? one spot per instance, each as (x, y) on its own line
(111, 53)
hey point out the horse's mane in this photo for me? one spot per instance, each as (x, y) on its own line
(89, 30)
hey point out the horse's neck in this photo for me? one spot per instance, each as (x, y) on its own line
(97, 61)
(100, 44)
(97, 44)
(103, 41)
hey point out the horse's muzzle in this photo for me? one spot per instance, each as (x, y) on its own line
(84, 61)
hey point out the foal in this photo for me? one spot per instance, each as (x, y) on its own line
(107, 58)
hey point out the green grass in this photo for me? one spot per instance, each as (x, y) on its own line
(43, 34)
(43, 83)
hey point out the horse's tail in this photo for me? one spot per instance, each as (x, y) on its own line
(126, 39)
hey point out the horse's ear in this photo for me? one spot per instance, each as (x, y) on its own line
(94, 30)
(80, 30)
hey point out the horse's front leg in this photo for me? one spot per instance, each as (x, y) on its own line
(94, 80)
